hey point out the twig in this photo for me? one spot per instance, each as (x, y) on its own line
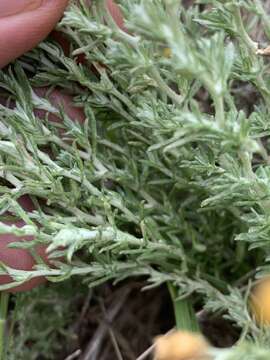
(115, 345)
(82, 315)
(112, 335)
(75, 355)
(93, 346)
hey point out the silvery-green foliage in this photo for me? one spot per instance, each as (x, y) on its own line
(169, 175)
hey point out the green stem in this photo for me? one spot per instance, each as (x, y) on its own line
(185, 317)
(242, 33)
(177, 99)
(252, 47)
(219, 108)
(3, 316)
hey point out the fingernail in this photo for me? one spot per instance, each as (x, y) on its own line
(13, 7)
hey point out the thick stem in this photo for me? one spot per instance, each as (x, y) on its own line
(219, 108)
(177, 99)
(252, 45)
(185, 317)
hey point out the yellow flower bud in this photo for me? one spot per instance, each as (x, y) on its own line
(260, 302)
(181, 345)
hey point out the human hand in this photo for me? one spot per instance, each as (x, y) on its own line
(23, 24)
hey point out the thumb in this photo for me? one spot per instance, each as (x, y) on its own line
(24, 23)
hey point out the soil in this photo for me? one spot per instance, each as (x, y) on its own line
(120, 323)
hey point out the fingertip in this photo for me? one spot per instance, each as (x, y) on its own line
(116, 13)
(19, 259)
(21, 32)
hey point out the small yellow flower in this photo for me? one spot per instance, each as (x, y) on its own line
(181, 345)
(260, 302)
(167, 52)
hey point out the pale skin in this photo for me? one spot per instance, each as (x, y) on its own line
(23, 24)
